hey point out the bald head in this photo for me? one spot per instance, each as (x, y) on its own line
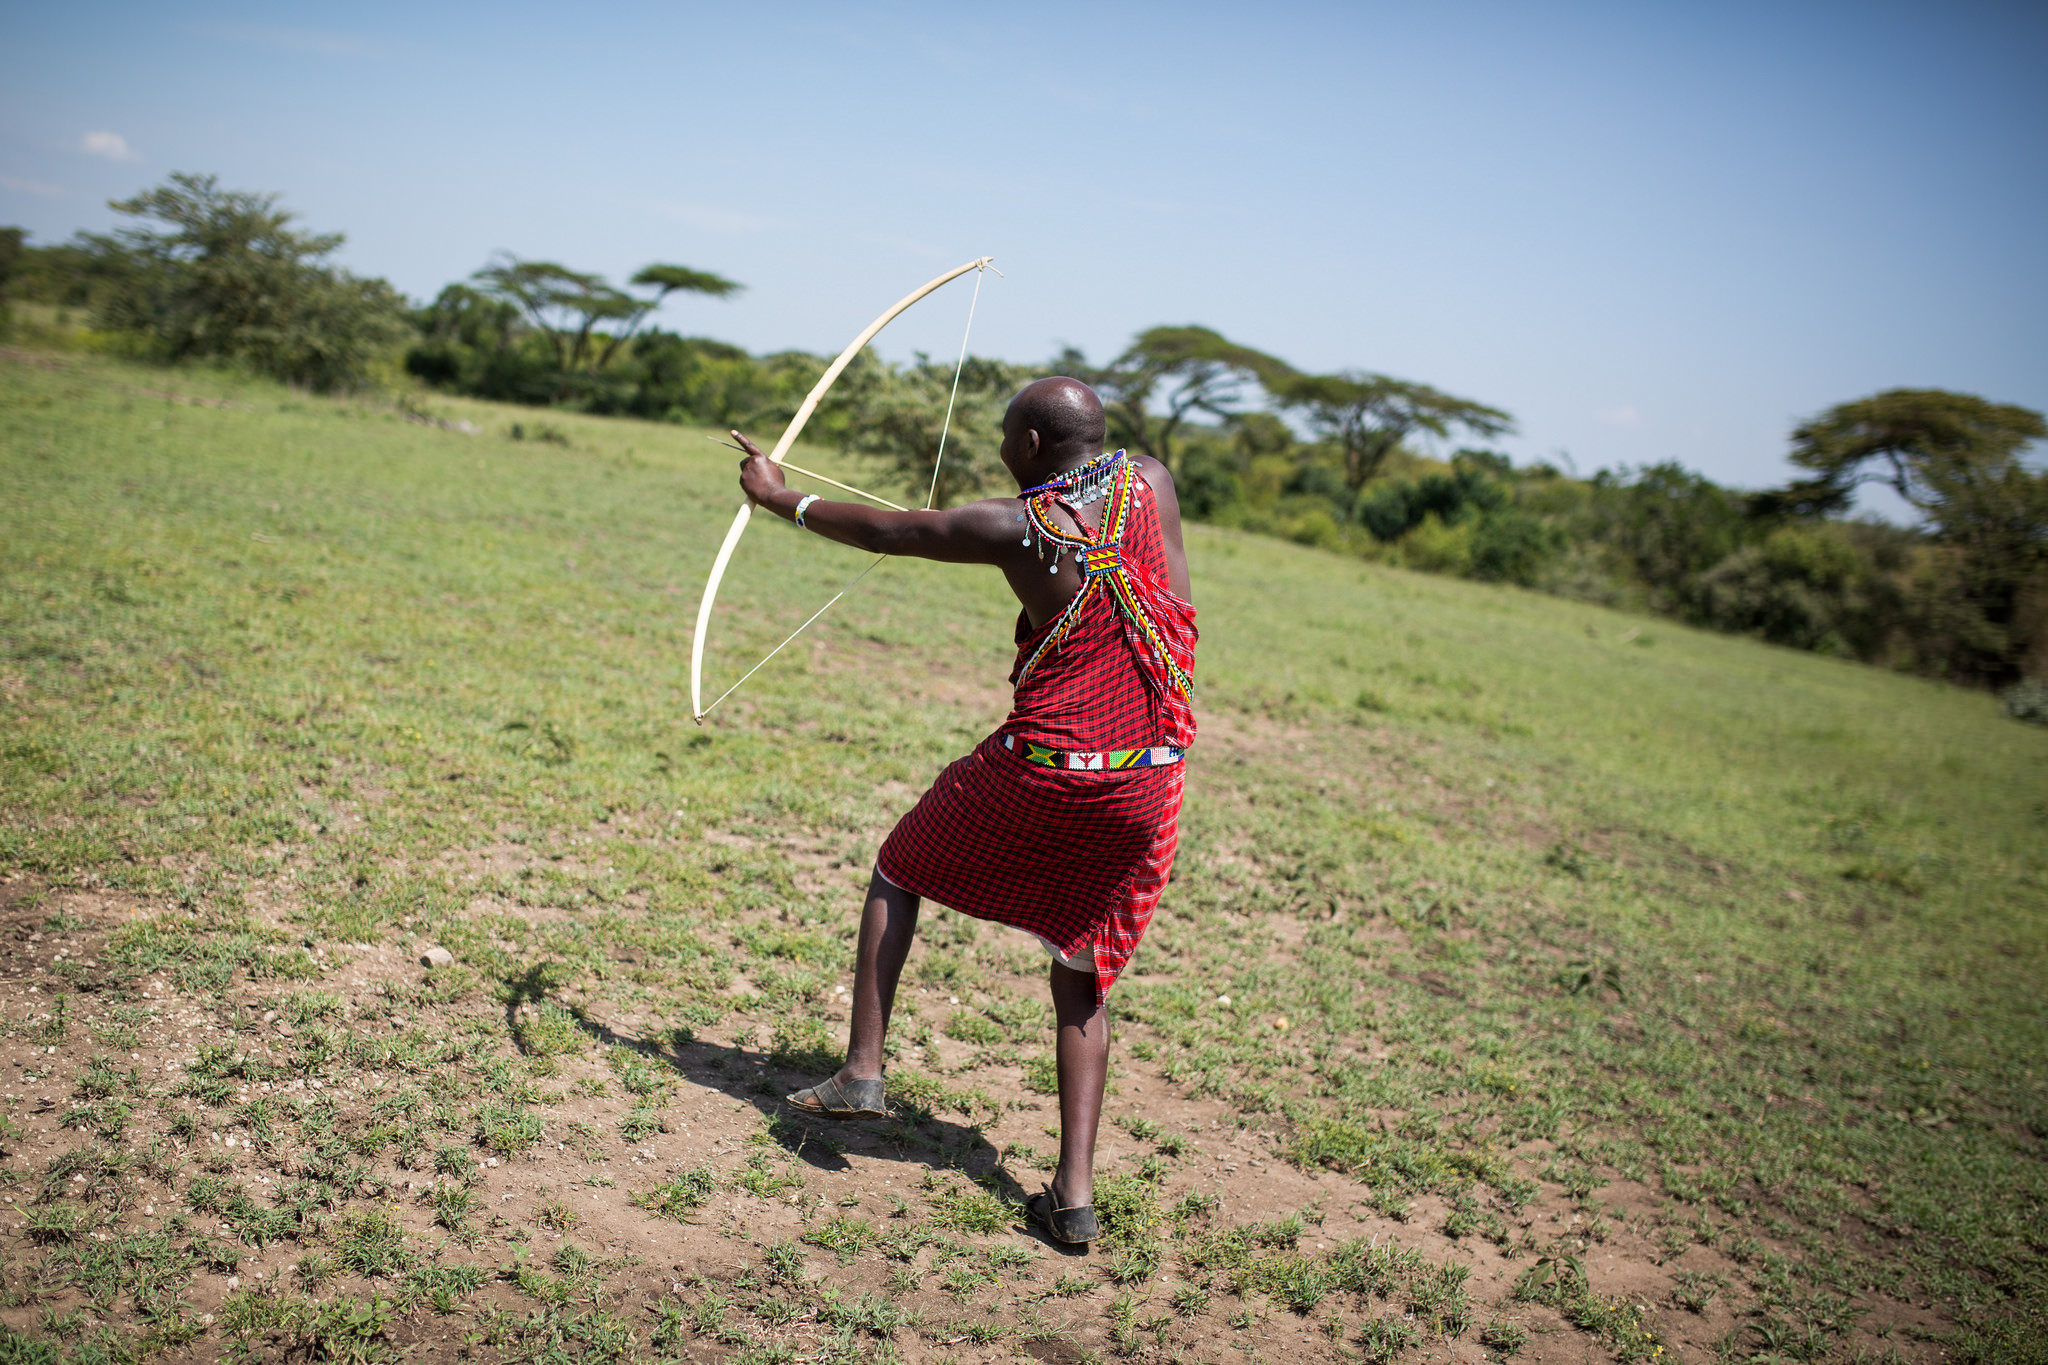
(1065, 413)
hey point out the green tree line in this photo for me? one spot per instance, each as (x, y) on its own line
(1356, 462)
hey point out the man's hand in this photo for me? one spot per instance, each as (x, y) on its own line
(760, 477)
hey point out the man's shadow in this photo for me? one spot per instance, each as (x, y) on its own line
(913, 1135)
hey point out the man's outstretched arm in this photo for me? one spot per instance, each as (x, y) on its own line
(974, 534)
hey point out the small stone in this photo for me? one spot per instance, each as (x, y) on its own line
(437, 957)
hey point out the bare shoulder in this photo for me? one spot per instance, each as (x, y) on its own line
(988, 517)
(1159, 479)
(1166, 499)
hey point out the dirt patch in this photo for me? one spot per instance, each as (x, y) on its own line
(665, 1184)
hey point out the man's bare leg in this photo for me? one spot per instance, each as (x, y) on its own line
(1083, 1053)
(888, 922)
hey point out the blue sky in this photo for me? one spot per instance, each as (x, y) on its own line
(1650, 231)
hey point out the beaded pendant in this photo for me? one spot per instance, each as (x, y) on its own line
(1090, 482)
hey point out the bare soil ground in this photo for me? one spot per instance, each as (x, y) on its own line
(773, 1189)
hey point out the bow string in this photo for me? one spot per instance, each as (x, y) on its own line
(698, 710)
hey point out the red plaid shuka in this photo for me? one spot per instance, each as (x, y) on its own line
(1078, 858)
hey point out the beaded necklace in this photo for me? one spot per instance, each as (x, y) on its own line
(1099, 556)
(1079, 486)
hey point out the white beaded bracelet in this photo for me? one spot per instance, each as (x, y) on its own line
(809, 498)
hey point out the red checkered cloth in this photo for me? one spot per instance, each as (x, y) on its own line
(1078, 858)
(1103, 687)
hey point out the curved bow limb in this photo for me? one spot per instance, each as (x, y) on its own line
(782, 448)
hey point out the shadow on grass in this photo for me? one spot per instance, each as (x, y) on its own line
(914, 1134)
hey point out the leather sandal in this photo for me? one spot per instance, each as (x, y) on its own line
(1075, 1227)
(829, 1099)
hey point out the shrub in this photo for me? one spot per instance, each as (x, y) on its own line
(1438, 546)
(1510, 546)
(230, 279)
(2026, 701)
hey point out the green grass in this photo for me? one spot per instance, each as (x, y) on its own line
(1762, 930)
(681, 1195)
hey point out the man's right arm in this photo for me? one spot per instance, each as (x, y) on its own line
(974, 534)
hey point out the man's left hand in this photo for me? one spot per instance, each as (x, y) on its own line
(759, 476)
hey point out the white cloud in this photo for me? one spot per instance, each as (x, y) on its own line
(111, 146)
(20, 186)
(1618, 417)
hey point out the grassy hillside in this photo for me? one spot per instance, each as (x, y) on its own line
(1593, 985)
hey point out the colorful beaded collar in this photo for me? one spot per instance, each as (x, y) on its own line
(1079, 486)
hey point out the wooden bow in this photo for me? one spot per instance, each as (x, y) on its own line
(782, 447)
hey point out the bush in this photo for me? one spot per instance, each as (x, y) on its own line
(1510, 546)
(1794, 588)
(231, 280)
(1396, 507)
(1438, 547)
(2026, 701)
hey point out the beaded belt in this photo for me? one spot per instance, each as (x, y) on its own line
(1157, 757)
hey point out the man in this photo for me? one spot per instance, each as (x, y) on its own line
(1064, 822)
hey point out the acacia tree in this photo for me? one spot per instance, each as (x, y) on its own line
(1934, 448)
(1167, 375)
(1368, 416)
(665, 280)
(569, 307)
(228, 276)
(1956, 459)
